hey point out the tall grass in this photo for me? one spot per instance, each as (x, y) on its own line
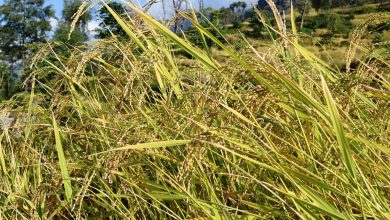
(131, 129)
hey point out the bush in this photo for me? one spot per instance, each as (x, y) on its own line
(333, 22)
(237, 24)
(306, 30)
(326, 38)
(257, 26)
(344, 43)
(194, 37)
(257, 29)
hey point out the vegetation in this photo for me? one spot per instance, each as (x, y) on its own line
(23, 23)
(71, 33)
(129, 128)
(108, 25)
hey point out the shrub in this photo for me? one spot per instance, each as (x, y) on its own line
(326, 39)
(306, 30)
(194, 36)
(333, 22)
(237, 24)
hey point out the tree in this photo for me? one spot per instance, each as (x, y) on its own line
(164, 9)
(327, 4)
(79, 34)
(6, 83)
(226, 15)
(177, 5)
(71, 7)
(262, 4)
(77, 37)
(282, 4)
(201, 5)
(108, 23)
(321, 4)
(209, 13)
(233, 7)
(240, 6)
(256, 24)
(303, 7)
(22, 23)
(216, 16)
(243, 6)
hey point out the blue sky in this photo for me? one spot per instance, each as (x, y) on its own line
(156, 10)
(208, 3)
(58, 4)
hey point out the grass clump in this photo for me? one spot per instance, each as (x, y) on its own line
(122, 130)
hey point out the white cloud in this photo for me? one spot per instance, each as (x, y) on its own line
(92, 26)
(53, 23)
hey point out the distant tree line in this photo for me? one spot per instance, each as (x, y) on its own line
(317, 4)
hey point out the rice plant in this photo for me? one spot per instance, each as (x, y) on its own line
(130, 129)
